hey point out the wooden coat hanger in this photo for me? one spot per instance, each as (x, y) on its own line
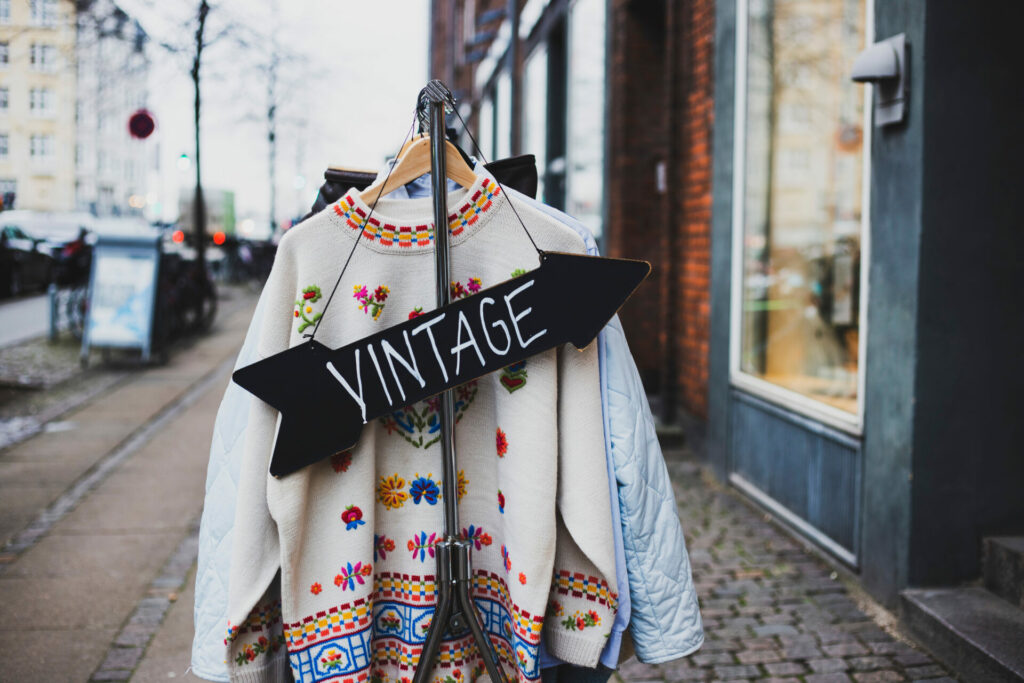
(414, 161)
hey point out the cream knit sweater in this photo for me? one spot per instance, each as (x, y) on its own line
(333, 567)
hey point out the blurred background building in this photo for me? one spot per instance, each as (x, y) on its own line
(113, 74)
(37, 103)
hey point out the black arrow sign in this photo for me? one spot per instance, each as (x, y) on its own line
(441, 349)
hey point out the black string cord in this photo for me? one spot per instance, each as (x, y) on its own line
(359, 237)
(479, 151)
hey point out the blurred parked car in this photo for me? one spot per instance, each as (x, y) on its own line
(68, 239)
(25, 261)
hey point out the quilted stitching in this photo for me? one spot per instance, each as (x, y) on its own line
(211, 604)
(666, 620)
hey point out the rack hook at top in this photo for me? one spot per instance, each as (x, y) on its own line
(434, 92)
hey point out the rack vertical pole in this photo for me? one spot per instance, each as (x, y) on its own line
(455, 609)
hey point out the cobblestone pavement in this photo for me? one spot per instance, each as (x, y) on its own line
(772, 610)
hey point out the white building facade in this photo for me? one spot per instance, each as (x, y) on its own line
(113, 69)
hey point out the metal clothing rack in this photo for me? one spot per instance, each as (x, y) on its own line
(455, 608)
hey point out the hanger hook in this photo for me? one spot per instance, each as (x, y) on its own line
(435, 91)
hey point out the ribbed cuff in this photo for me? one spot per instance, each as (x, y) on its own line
(276, 670)
(575, 649)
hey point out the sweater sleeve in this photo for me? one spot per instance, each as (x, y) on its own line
(255, 638)
(584, 590)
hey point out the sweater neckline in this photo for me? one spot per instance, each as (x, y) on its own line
(406, 225)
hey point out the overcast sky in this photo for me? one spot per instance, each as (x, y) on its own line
(351, 93)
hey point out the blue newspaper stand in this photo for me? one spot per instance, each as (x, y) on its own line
(123, 287)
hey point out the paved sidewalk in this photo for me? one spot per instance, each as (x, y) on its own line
(24, 318)
(98, 516)
(772, 610)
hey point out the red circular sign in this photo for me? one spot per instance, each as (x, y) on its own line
(141, 124)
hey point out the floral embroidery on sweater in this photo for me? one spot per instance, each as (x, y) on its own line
(477, 536)
(505, 559)
(261, 646)
(422, 545)
(304, 307)
(458, 290)
(420, 424)
(349, 575)
(581, 620)
(416, 312)
(341, 461)
(463, 484)
(513, 377)
(424, 488)
(353, 517)
(382, 545)
(332, 658)
(502, 442)
(371, 303)
(390, 493)
(316, 588)
(501, 502)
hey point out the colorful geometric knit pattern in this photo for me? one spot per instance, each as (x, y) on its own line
(416, 235)
(263, 616)
(343, 642)
(582, 586)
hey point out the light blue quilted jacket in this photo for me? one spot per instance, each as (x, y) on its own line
(665, 620)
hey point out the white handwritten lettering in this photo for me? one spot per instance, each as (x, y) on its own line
(461, 345)
(430, 333)
(357, 397)
(499, 324)
(412, 368)
(516, 317)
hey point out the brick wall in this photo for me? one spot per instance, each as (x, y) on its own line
(637, 142)
(660, 90)
(694, 224)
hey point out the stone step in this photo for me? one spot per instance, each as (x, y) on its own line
(974, 632)
(1004, 568)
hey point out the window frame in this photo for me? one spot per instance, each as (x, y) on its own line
(42, 57)
(851, 423)
(43, 13)
(46, 98)
(37, 141)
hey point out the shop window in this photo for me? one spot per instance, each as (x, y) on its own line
(802, 205)
(535, 109)
(556, 138)
(586, 111)
(486, 128)
(503, 117)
